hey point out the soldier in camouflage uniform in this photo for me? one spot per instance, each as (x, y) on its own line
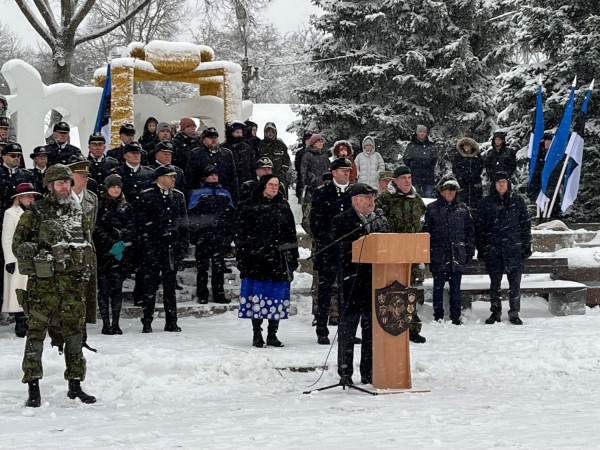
(51, 249)
(404, 210)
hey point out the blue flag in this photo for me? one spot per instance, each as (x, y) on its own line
(536, 134)
(556, 150)
(103, 119)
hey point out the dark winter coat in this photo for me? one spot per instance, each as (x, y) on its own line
(503, 160)
(148, 140)
(314, 164)
(115, 223)
(245, 157)
(117, 153)
(276, 150)
(467, 168)
(502, 232)
(61, 155)
(8, 185)
(99, 170)
(182, 147)
(211, 215)
(249, 139)
(328, 202)
(250, 186)
(161, 226)
(38, 177)
(452, 241)
(266, 243)
(357, 282)
(134, 182)
(222, 159)
(421, 157)
(300, 152)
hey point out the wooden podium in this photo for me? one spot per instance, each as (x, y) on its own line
(391, 255)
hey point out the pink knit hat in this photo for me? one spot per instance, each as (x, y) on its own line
(314, 138)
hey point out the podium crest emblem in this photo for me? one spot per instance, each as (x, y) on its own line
(395, 307)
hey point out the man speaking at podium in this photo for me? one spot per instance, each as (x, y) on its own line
(355, 304)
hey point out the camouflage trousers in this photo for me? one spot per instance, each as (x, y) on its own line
(56, 301)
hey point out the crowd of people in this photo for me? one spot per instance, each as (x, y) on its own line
(133, 211)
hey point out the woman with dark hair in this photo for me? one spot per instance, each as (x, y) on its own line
(267, 255)
(113, 237)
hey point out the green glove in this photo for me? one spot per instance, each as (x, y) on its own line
(117, 250)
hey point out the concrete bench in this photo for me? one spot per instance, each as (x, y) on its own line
(541, 278)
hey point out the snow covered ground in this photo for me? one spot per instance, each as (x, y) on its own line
(500, 386)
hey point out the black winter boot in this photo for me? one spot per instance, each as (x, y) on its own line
(34, 400)
(415, 336)
(272, 334)
(76, 392)
(495, 317)
(20, 325)
(106, 328)
(257, 339)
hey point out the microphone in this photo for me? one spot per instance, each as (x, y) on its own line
(378, 212)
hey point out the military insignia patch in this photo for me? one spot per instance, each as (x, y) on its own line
(395, 307)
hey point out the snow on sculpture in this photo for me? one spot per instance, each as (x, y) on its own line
(173, 61)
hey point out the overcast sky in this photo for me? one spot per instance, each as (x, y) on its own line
(287, 15)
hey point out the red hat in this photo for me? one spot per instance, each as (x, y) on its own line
(186, 122)
(24, 189)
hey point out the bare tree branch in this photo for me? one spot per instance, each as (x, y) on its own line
(80, 14)
(67, 12)
(35, 23)
(46, 13)
(112, 26)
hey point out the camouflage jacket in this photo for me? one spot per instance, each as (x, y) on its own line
(404, 212)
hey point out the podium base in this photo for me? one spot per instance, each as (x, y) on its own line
(343, 386)
(399, 391)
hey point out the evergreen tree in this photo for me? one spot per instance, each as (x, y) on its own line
(560, 37)
(388, 65)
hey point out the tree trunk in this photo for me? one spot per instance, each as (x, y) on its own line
(62, 58)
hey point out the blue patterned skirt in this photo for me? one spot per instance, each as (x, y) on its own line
(264, 299)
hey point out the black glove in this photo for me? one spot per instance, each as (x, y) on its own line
(10, 267)
(480, 256)
(526, 253)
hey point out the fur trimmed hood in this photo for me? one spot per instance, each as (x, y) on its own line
(337, 146)
(460, 147)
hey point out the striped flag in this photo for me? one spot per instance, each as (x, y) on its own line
(556, 150)
(536, 134)
(103, 121)
(575, 155)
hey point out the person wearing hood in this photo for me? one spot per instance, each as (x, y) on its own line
(298, 155)
(211, 217)
(275, 149)
(452, 246)
(503, 241)
(244, 154)
(250, 136)
(369, 163)
(315, 163)
(267, 255)
(343, 149)
(184, 142)
(467, 167)
(421, 156)
(500, 158)
(149, 138)
(404, 210)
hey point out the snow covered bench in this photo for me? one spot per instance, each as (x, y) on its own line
(541, 278)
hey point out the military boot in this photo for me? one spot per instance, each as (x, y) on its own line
(257, 339)
(106, 328)
(20, 325)
(76, 392)
(495, 317)
(415, 336)
(272, 334)
(34, 400)
(115, 326)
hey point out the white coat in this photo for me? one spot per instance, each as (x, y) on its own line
(16, 280)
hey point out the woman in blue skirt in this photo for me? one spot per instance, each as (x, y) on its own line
(267, 255)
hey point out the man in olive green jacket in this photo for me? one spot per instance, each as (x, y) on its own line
(404, 210)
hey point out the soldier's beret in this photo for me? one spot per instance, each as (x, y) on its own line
(361, 189)
(401, 170)
(163, 171)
